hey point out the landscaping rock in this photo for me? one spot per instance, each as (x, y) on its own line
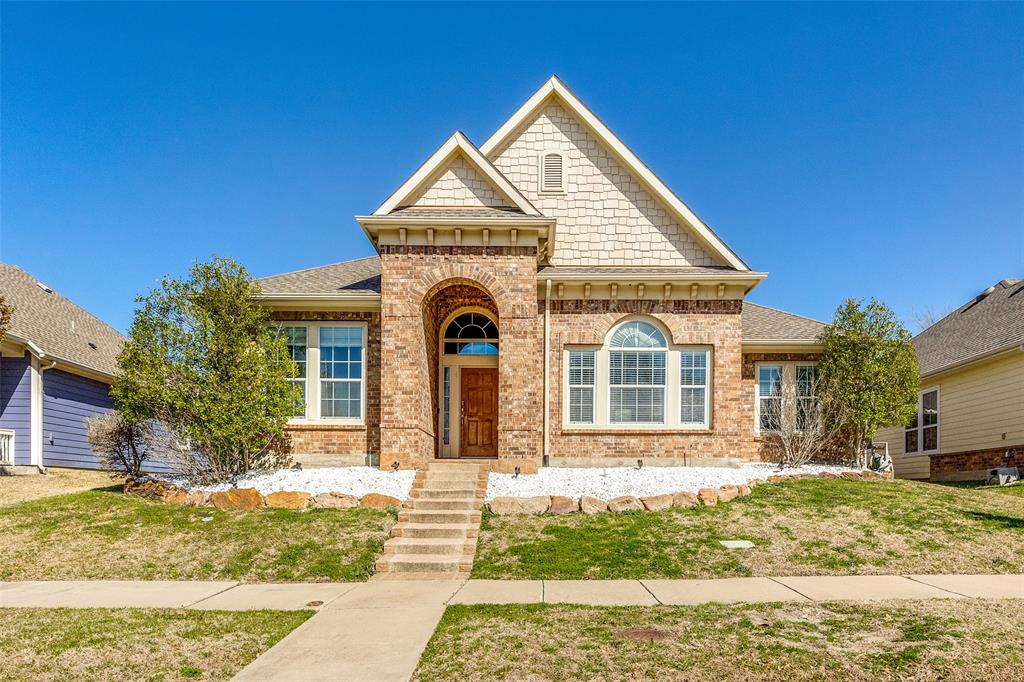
(754, 482)
(174, 496)
(239, 499)
(743, 490)
(592, 505)
(709, 496)
(657, 502)
(827, 475)
(727, 493)
(852, 475)
(684, 499)
(335, 501)
(563, 505)
(197, 499)
(775, 478)
(378, 501)
(625, 503)
(519, 505)
(288, 500)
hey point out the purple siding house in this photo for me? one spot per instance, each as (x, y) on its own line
(56, 365)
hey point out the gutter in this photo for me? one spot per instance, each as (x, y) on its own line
(975, 359)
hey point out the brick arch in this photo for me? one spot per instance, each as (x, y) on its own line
(429, 283)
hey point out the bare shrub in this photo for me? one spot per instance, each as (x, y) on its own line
(123, 446)
(805, 424)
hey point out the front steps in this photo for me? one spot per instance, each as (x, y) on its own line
(435, 537)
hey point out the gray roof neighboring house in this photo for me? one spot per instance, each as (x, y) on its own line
(991, 322)
(61, 329)
(760, 323)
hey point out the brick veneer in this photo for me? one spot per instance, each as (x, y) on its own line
(716, 323)
(418, 284)
(974, 463)
(334, 439)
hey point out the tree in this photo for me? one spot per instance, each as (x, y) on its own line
(6, 313)
(808, 423)
(204, 360)
(926, 317)
(869, 366)
(123, 446)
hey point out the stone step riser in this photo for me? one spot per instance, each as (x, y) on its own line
(443, 505)
(447, 484)
(428, 531)
(450, 547)
(416, 516)
(454, 493)
(406, 564)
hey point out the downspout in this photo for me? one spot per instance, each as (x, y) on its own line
(547, 364)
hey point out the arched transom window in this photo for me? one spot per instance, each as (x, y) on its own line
(471, 333)
(636, 374)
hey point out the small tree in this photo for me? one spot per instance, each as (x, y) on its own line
(123, 446)
(808, 421)
(6, 313)
(204, 360)
(869, 366)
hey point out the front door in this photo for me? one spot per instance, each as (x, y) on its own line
(479, 412)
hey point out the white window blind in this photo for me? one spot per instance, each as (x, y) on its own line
(581, 387)
(693, 387)
(769, 397)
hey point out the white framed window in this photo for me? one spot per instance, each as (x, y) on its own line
(581, 386)
(295, 339)
(769, 397)
(636, 374)
(341, 372)
(786, 392)
(921, 435)
(552, 172)
(693, 387)
(806, 396)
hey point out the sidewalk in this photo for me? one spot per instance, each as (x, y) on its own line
(378, 630)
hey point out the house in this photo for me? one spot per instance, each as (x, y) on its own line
(56, 365)
(970, 414)
(540, 298)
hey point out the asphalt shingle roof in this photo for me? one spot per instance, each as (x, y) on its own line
(761, 323)
(354, 276)
(60, 328)
(457, 212)
(987, 323)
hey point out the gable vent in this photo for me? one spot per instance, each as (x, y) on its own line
(552, 173)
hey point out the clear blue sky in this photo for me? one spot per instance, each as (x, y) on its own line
(849, 150)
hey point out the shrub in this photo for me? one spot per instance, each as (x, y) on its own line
(123, 446)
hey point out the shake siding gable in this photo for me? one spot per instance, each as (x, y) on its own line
(15, 404)
(68, 400)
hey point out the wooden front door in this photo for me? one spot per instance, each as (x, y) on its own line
(479, 412)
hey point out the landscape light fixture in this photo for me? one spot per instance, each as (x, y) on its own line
(394, 465)
(516, 473)
(639, 464)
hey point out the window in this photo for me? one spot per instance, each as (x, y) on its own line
(341, 372)
(769, 397)
(636, 374)
(806, 396)
(447, 427)
(581, 387)
(551, 173)
(922, 433)
(693, 388)
(295, 338)
(471, 334)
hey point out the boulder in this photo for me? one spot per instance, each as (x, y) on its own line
(728, 493)
(174, 496)
(754, 482)
(378, 501)
(563, 505)
(743, 490)
(775, 478)
(197, 499)
(592, 505)
(852, 475)
(519, 505)
(625, 503)
(238, 499)
(684, 499)
(709, 496)
(657, 502)
(335, 501)
(827, 475)
(872, 476)
(288, 499)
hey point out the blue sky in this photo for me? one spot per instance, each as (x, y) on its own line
(849, 150)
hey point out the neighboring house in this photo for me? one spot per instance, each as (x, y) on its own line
(541, 297)
(971, 407)
(56, 365)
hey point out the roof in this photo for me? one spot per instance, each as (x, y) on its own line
(989, 323)
(355, 276)
(456, 212)
(761, 323)
(651, 272)
(61, 329)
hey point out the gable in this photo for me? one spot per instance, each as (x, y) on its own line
(605, 216)
(459, 184)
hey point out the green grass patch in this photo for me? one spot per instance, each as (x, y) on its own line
(103, 534)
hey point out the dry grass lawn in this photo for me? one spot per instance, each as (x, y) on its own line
(805, 527)
(15, 489)
(113, 645)
(106, 535)
(915, 640)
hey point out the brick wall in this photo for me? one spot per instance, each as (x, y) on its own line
(715, 323)
(334, 439)
(974, 464)
(414, 280)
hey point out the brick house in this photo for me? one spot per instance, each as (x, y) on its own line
(543, 297)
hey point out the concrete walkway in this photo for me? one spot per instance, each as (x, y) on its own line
(378, 630)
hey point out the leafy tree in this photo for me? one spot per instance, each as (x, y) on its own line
(6, 313)
(204, 360)
(869, 368)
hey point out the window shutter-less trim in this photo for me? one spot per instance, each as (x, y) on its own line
(551, 173)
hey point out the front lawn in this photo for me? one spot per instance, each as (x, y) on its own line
(803, 527)
(936, 639)
(136, 644)
(103, 534)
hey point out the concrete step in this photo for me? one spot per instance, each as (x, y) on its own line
(435, 530)
(414, 563)
(445, 493)
(439, 516)
(428, 546)
(447, 484)
(467, 504)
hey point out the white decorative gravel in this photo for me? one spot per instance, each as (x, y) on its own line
(356, 481)
(606, 483)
